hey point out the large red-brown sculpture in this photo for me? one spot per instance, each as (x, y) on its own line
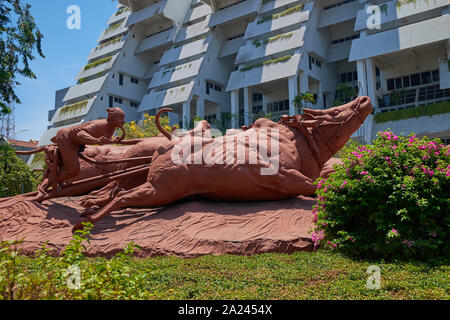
(306, 143)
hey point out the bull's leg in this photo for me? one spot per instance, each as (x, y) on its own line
(102, 196)
(294, 183)
(142, 196)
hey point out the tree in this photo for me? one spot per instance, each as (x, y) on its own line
(303, 98)
(15, 176)
(19, 38)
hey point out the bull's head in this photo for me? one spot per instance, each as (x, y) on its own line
(331, 128)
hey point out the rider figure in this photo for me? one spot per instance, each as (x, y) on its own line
(73, 139)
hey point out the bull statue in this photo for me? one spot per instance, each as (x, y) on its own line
(270, 161)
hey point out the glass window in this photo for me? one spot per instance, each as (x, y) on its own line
(355, 75)
(425, 77)
(398, 83)
(350, 76)
(406, 82)
(343, 77)
(390, 84)
(415, 79)
(435, 75)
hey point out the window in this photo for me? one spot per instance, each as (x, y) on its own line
(257, 97)
(343, 77)
(134, 80)
(278, 106)
(133, 104)
(121, 79)
(398, 83)
(406, 82)
(211, 86)
(211, 118)
(118, 100)
(111, 101)
(425, 77)
(350, 76)
(435, 75)
(415, 79)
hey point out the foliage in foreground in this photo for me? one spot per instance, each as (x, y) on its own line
(15, 176)
(421, 111)
(390, 199)
(303, 275)
(57, 278)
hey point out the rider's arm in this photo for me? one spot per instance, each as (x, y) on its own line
(85, 138)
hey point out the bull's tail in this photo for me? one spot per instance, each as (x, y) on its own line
(158, 124)
(27, 153)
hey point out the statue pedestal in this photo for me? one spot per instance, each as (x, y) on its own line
(186, 229)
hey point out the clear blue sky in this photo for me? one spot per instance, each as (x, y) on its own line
(66, 52)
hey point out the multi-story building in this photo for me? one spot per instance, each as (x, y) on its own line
(212, 58)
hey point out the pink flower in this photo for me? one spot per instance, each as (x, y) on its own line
(394, 231)
(363, 173)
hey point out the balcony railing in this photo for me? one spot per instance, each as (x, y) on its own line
(167, 97)
(410, 36)
(251, 76)
(273, 45)
(338, 14)
(181, 53)
(390, 11)
(147, 14)
(157, 40)
(72, 111)
(289, 18)
(233, 12)
(85, 88)
(176, 74)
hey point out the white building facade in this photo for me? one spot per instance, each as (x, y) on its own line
(228, 61)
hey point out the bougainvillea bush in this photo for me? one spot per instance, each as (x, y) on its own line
(389, 199)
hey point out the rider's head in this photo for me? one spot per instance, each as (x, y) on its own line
(116, 117)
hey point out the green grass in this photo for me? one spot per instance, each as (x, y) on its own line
(303, 275)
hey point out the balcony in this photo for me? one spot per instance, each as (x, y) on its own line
(176, 74)
(275, 4)
(156, 41)
(402, 38)
(197, 13)
(167, 97)
(284, 42)
(262, 26)
(106, 48)
(181, 53)
(112, 31)
(193, 31)
(85, 89)
(119, 15)
(391, 13)
(339, 51)
(72, 111)
(85, 73)
(234, 12)
(149, 14)
(241, 79)
(231, 47)
(338, 14)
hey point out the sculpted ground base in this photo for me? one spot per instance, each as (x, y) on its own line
(186, 229)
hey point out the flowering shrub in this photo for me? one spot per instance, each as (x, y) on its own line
(389, 199)
(145, 128)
